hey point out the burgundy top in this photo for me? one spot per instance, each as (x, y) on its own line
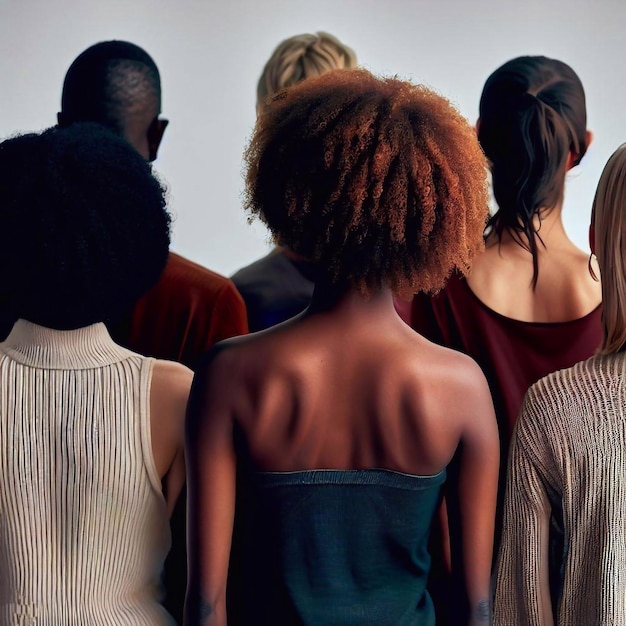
(512, 354)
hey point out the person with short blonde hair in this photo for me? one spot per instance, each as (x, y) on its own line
(300, 57)
(280, 285)
(562, 558)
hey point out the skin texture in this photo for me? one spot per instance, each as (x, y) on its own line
(502, 277)
(392, 400)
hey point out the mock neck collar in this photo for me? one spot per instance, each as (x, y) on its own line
(83, 348)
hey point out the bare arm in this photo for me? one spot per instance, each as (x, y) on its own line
(211, 473)
(169, 394)
(472, 498)
(522, 585)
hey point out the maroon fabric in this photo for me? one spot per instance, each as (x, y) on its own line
(512, 354)
(189, 310)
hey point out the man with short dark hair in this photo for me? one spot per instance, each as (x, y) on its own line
(117, 84)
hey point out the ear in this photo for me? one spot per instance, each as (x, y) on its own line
(573, 159)
(592, 238)
(155, 135)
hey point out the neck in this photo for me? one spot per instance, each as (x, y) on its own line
(347, 301)
(290, 254)
(549, 228)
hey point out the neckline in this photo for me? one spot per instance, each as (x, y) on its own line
(512, 320)
(88, 347)
(372, 477)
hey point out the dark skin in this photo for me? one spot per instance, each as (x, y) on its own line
(390, 399)
(143, 130)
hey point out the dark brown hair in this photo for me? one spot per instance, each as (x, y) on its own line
(532, 117)
(84, 223)
(380, 181)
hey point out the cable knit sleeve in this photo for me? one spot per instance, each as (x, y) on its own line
(522, 586)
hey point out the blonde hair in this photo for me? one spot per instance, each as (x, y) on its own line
(608, 218)
(300, 57)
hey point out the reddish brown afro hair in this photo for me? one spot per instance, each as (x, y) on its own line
(379, 181)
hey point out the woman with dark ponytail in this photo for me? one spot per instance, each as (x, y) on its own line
(529, 305)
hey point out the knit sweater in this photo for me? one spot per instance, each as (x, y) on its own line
(83, 522)
(567, 473)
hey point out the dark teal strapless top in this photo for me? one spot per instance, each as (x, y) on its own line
(332, 547)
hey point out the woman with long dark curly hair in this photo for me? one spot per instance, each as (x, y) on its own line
(91, 434)
(317, 449)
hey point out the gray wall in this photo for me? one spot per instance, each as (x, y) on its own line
(210, 54)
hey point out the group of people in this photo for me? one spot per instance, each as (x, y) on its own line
(427, 423)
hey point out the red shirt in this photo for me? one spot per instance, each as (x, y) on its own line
(189, 310)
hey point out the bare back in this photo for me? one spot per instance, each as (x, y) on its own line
(502, 278)
(330, 392)
(350, 387)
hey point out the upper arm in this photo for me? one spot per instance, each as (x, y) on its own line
(473, 491)
(522, 584)
(169, 393)
(211, 474)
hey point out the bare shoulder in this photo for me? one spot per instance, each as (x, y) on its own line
(445, 378)
(169, 391)
(171, 377)
(422, 356)
(223, 370)
(227, 357)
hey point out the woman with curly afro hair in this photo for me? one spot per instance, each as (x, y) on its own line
(318, 448)
(91, 434)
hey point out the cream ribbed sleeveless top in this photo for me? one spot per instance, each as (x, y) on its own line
(83, 522)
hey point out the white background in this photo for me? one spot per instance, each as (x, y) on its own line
(211, 53)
